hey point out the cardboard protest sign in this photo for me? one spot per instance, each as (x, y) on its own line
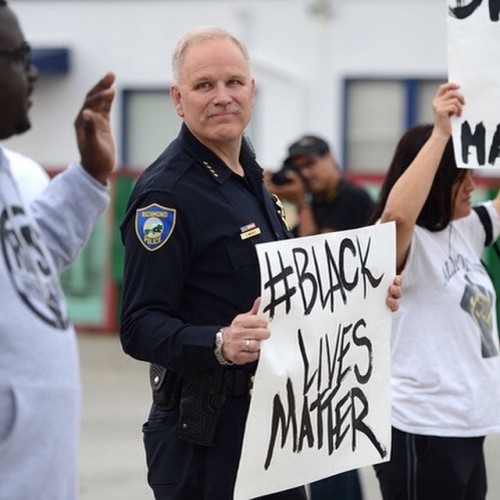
(473, 54)
(321, 397)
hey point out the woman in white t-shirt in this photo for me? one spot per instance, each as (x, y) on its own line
(445, 354)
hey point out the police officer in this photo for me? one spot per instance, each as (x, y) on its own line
(192, 277)
(191, 282)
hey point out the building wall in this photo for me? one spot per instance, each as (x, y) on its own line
(301, 50)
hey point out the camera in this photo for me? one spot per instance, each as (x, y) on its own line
(280, 177)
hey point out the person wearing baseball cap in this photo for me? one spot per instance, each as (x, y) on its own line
(312, 180)
(308, 145)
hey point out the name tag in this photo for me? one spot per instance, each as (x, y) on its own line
(249, 230)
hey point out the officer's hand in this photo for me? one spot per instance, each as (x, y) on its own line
(93, 130)
(394, 294)
(241, 339)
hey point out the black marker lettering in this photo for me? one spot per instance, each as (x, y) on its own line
(365, 272)
(273, 282)
(358, 421)
(328, 415)
(305, 277)
(284, 421)
(365, 342)
(495, 147)
(464, 11)
(477, 140)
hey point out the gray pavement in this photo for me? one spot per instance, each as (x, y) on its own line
(115, 404)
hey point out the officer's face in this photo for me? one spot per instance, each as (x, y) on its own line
(17, 76)
(215, 93)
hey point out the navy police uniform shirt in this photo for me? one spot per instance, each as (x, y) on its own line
(190, 260)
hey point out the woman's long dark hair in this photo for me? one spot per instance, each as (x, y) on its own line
(437, 211)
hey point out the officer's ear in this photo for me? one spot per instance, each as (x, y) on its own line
(176, 96)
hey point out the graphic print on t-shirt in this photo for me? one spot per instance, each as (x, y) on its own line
(26, 262)
(479, 303)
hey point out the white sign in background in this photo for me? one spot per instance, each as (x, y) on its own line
(473, 62)
(321, 397)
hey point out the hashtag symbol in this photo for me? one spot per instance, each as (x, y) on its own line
(279, 286)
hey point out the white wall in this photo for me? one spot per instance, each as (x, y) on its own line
(299, 58)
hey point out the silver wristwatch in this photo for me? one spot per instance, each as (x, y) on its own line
(218, 349)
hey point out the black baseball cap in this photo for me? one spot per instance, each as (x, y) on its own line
(308, 145)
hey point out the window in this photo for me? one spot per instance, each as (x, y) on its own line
(377, 112)
(150, 123)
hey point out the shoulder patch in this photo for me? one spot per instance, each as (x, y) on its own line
(154, 225)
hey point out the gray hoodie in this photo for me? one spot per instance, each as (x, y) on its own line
(39, 372)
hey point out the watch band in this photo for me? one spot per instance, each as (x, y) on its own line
(218, 348)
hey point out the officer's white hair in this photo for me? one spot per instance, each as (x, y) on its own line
(200, 34)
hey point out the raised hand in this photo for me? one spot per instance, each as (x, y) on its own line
(93, 130)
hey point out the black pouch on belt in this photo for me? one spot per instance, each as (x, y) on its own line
(200, 405)
(165, 386)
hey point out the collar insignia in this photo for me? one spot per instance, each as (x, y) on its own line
(154, 225)
(210, 169)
